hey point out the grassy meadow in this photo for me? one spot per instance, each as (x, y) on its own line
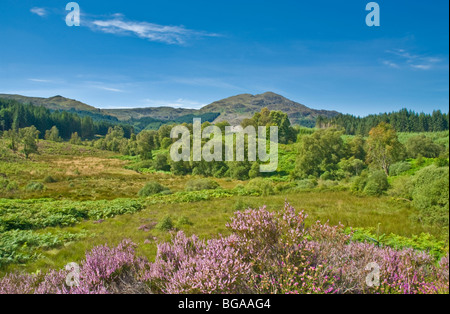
(67, 199)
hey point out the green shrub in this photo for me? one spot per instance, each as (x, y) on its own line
(377, 183)
(431, 194)
(351, 167)
(152, 188)
(49, 179)
(166, 224)
(327, 176)
(221, 173)
(254, 171)
(285, 187)
(260, 186)
(183, 221)
(12, 186)
(420, 160)
(373, 184)
(423, 242)
(201, 184)
(399, 168)
(3, 183)
(328, 184)
(145, 164)
(239, 173)
(442, 162)
(242, 205)
(35, 187)
(402, 187)
(166, 192)
(424, 146)
(306, 184)
(161, 163)
(239, 188)
(180, 167)
(360, 182)
(8, 185)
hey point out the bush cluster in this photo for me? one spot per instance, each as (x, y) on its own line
(201, 184)
(152, 188)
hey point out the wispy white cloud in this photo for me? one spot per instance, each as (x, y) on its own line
(109, 89)
(39, 80)
(117, 25)
(410, 60)
(403, 54)
(39, 11)
(104, 85)
(391, 64)
(421, 66)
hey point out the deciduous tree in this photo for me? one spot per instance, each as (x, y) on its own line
(384, 148)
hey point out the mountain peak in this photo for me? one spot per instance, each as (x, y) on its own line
(237, 108)
(270, 94)
(58, 99)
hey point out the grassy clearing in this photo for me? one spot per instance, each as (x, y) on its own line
(210, 217)
(81, 173)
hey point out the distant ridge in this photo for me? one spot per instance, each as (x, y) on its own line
(160, 113)
(233, 109)
(52, 103)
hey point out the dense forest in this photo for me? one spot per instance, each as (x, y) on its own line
(15, 116)
(403, 121)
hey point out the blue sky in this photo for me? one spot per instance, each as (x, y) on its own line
(191, 53)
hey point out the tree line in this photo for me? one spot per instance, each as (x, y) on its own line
(402, 121)
(328, 155)
(15, 116)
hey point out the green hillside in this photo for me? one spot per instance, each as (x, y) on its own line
(234, 110)
(237, 108)
(52, 103)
